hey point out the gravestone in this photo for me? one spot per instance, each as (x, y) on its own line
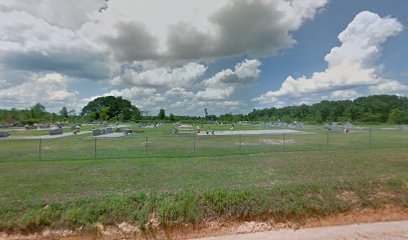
(97, 132)
(4, 134)
(42, 126)
(347, 127)
(30, 127)
(128, 131)
(108, 130)
(56, 131)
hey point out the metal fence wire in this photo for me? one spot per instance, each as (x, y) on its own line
(92, 148)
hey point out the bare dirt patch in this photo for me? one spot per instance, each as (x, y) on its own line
(348, 196)
(385, 194)
(214, 228)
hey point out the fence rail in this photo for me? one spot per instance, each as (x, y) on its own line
(192, 145)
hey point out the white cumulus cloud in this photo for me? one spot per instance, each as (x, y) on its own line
(160, 77)
(50, 89)
(223, 84)
(350, 65)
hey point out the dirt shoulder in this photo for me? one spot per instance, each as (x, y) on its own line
(377, 219)
(371, 231)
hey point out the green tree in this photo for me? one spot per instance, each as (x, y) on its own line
(37, 111)
(395, 116)
(91, 116)
(228, 117)
(162, 114)
(172, 117)
(126, 114)
(63, 112)
(104, 114)
(117, 107)
(136, 114)
(8, 119)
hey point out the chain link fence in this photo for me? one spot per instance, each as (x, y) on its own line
(191, 145)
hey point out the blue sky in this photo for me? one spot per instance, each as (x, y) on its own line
(187, 55)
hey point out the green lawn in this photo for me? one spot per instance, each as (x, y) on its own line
(191, 179)
(286, 185)
(160, 142)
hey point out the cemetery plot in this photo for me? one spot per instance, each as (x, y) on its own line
(227, 142)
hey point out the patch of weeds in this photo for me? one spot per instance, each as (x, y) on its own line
(181, 207)
(233, 203)
(37, 218)
(290, 202)
(395, 182)
(76, 216)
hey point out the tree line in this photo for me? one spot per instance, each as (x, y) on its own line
(372, 109)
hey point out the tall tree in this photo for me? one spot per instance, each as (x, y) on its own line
(91, 116)
(117, 107)
(162, 114)
(394, 116)
(63, 112)
(37, 111)
(172, 117)
(104, 114)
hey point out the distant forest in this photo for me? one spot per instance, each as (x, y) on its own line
(372, 109)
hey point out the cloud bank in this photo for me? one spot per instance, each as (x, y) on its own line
(350, 66)
(154, 61)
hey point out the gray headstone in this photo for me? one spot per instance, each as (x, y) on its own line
(108, 130)
(97, 132)
(56, 131)
(4, 134)
(30, 127)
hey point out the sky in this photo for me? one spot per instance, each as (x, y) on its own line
(229, 56)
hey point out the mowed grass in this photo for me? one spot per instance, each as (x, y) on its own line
(282, 185)
(160, 142)
(79, 181)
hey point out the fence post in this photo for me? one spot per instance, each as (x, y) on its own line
(327, 140)
(95, 148)
(40, 150)
(146, 139)
(284, 142)
(240, 143)
(194, 143)
(370, 138)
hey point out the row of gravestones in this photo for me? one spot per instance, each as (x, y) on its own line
(282, 125)
(74, 127)
(102, 131)
(336, 127)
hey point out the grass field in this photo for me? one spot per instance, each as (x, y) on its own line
(307, 177)
(160, 142)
